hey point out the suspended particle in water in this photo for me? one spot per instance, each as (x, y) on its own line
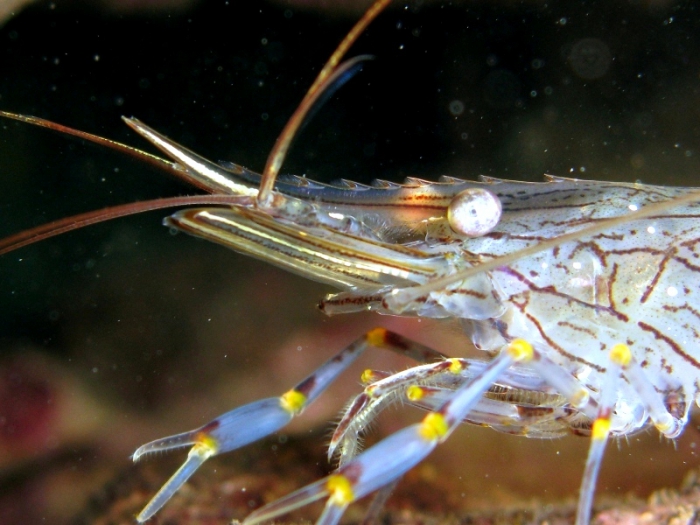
(456, 107)
(590, 58)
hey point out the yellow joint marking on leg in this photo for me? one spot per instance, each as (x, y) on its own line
(340, 488)
(620, 354)
(367, 376)
(369, 391)
(376, 337)
(206, 442)
(601, 428)
(415, 392)
(292, 401)
(664, 424)
(520, 350)
(580, 398)
(434, 426)
(455, 366)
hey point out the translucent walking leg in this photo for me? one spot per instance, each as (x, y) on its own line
(620, 356)
(244, 425)
(521, 403)
(384, 389)
(385, 340)
(392, 457)
(541, 421)
(198, 454)
(663, 420)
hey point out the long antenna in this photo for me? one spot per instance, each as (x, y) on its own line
(279, 151)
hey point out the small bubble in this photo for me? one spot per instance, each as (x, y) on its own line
(464, 135)
(264, 116)
(590, 58)
(263, 41)
(637, 161)
(491, 60)
(533, 93)
(562, 21)
(288, 13)
(456, 107)
(537, 63)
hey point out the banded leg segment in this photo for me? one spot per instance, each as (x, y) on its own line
(620, 356)
(391, 458)
(622, 363)
(244, 424)
(258, 419)
(520, 403)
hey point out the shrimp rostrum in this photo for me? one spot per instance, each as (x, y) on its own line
(574, 290)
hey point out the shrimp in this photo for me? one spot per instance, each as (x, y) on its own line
(573, 289)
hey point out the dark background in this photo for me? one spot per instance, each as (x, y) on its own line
(122, 326)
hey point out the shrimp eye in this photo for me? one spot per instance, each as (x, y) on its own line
(474, 212)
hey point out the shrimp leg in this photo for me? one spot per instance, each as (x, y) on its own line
(392, 457)
(258, 419)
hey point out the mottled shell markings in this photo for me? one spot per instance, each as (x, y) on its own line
(474, 212)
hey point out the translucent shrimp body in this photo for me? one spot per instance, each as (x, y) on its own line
(602, 307)
(577, 295)
(577, 292)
